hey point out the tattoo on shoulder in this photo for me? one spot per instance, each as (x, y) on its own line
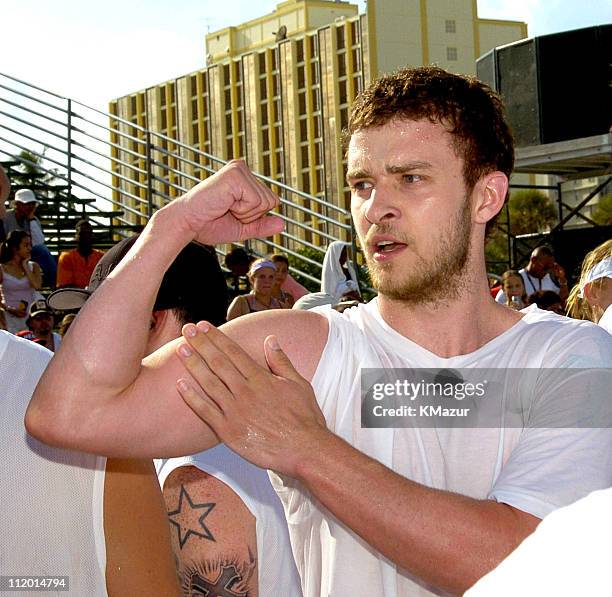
(223, 577)
(189, 518)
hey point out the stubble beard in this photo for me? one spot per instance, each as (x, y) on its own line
(434, 281)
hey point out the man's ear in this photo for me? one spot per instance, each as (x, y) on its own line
(158, 320)
(489, 196)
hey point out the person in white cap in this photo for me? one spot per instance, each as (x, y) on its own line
(338, 271)
(591, 298)
(23, 217)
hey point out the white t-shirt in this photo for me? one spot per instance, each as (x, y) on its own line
(534, 470)
(568, 555)
(52, 499)
(277, 574)
(606, 320)
(532, 284)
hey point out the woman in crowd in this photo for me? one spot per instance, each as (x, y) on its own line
(262, 275)
(338, 271)
(20, 279)
(284, 298)
(66, 323)
(591, 298)
(514, 288)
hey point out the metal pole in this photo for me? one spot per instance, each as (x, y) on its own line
(149, 175)
(560, 205)
(69, 139)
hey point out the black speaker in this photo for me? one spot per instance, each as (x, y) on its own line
(556, 87)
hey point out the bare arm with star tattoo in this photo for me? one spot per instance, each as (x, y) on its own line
(213, 535)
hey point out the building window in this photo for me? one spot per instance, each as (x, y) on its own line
(302, 102)
(451, 53)
(301, 73)
(451, 26)
(340, 37)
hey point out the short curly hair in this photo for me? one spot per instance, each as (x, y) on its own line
(473, 113)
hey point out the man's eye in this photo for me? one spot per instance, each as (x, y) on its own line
(362, 185)
(412, 178)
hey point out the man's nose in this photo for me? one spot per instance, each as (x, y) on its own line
(380, 207)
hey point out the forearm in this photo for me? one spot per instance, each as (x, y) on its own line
(446, 539)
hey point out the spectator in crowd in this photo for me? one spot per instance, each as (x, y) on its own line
(402, 511)
(23, 217)
(591, 298)
(66, 323)
(262, 275)
(244, 531)
(5, 190)
(537, 275)
(100, 523)
(74, 268)
(237, 261)
(284, 298)
(547, 300)
(338, 271)
(513, 288)
(20, 279)
(40, 321)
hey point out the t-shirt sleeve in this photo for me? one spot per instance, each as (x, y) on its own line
(565, 451)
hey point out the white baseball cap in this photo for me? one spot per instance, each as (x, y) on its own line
(26, 196)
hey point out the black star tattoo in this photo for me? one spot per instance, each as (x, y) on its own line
(183, 531)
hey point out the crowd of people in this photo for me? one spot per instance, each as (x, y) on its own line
(265, 480)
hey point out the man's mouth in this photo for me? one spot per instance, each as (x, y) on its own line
(387, 246)
(384, 250)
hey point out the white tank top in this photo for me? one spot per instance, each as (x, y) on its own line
(277, 573)
(51, 499)
(535, 470)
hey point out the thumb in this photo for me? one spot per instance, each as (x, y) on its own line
(278, 361)
(266, 226)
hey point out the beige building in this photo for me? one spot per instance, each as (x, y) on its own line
(277, 91)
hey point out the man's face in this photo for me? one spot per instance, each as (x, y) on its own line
(542, 265)
(410, 209)
(25, 210)
(41, 324)
(84, 234)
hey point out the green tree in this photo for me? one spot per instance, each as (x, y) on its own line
(496, 252)
(602, 214)
(308, 268)
(530, 211)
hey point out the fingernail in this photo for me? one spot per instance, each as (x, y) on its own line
(182, 385)
(185, 350)
(273, 342)
(203, 326)
(190, 331)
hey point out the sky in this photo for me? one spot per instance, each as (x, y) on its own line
(94, 51)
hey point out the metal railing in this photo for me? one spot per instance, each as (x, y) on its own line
(114, 163)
